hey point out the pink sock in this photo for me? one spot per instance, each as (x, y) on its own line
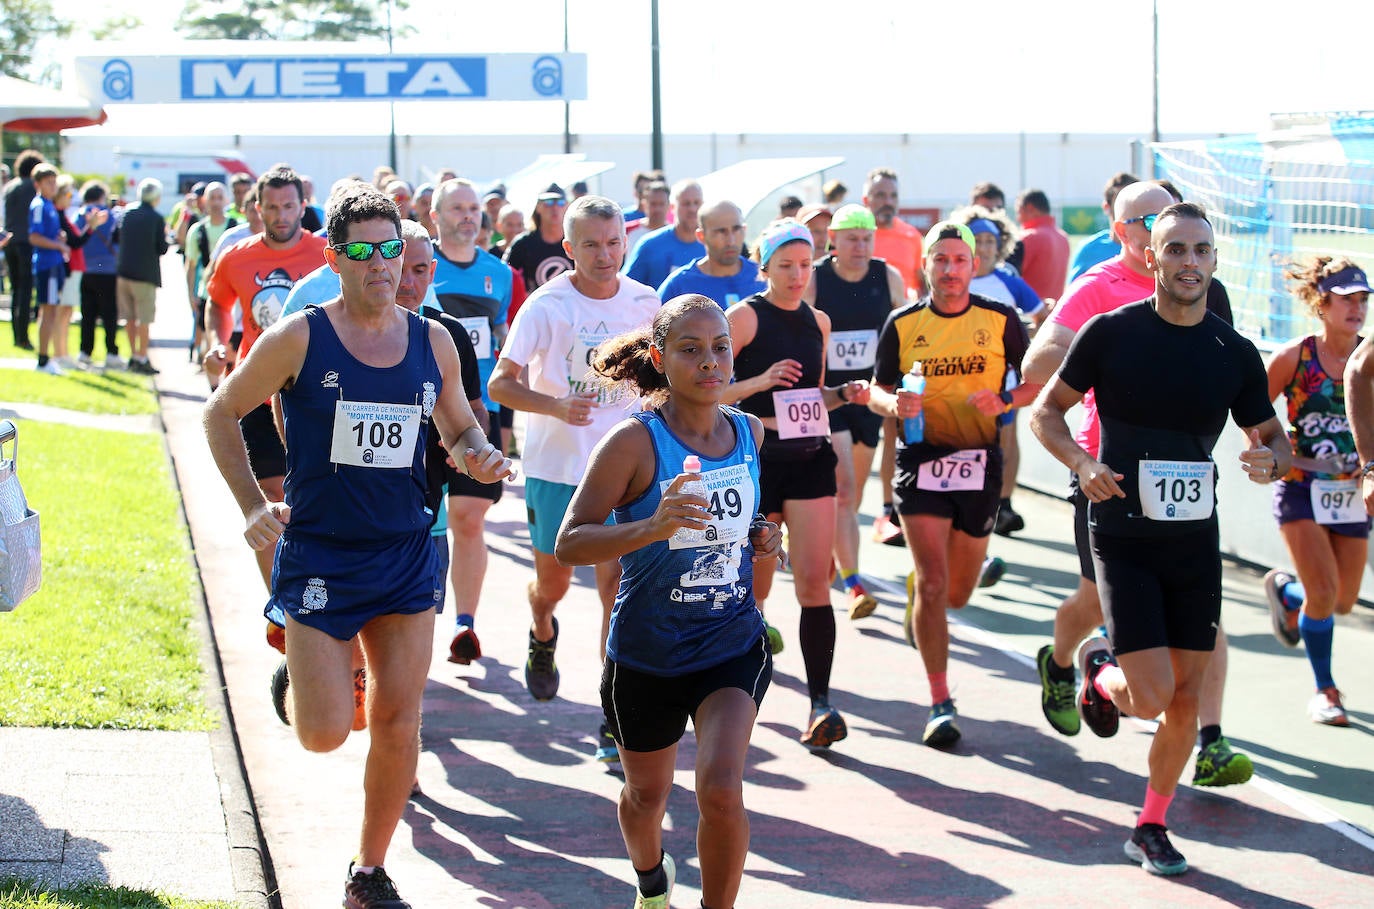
(1104, 674)
(1156, 806)
(939, 688)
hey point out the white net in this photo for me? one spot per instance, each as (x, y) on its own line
(1276, 198)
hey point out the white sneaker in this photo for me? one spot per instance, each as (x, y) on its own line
(114, 361)
(1326, 708)
(51, 368)
(65, 362)
(83, 361)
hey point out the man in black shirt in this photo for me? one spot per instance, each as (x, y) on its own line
(1166, 373)
(19, 192)
(538, 254)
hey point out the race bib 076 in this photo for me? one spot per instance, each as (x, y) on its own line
(958, 472)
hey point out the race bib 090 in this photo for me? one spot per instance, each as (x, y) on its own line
(800, 413)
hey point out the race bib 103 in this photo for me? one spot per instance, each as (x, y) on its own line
(1177, 490)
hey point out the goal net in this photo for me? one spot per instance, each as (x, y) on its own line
(1305, 188)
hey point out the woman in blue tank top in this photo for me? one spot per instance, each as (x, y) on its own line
(686, 639)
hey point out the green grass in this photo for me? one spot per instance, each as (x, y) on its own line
(16, 893)
(93, 392)
(108, 640)
(7, 348)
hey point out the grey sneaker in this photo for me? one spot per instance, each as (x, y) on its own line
(541, 672)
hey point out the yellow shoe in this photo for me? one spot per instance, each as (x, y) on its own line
(660, 901)
(861, 603)
(908, 620)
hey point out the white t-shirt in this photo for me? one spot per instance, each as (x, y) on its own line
(554, 334)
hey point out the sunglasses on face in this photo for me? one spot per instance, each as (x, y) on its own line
(361, 250)
(1147, 220)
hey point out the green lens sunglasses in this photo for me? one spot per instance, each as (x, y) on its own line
(361, 250)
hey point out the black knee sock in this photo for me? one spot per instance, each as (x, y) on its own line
(654, 882)
(817, 633)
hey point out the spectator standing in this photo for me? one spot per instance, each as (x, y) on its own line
(19, 193)
(1045, 265)
(142, 243)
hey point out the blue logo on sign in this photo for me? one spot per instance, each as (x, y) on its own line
(547, 77)
(118, 81)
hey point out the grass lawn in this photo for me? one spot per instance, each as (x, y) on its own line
(7, 348)
(20, 894)
(108, 640)
(95, 391)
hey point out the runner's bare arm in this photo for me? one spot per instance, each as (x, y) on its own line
(896, 287)
(1269, 455)
(1359, 409)
(744, 324)
(277, 357)
(1051, 426)
(1047, 351)
(507, 387)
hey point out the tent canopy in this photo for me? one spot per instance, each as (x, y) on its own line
(25, 107)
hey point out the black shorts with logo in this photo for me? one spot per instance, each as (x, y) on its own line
(972, 511)
(1160, 591)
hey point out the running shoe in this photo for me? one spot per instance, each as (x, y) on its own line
(1283, 620)
(607, 752)
(1149, 845)
(83, 360)
(861, 603)
(276, 637)
(359, 699)
(825, 728)
(775, 642)
(51, 368)
(541, 672)
(991, 572)
(1008, 522)
(464, 648)
(1056, 697)
(887, 529)
(1098, 712)
(660, 901)
(1218, 765)
(281, 683)
(1326, 708)
(115, 361)
(942, 728)
(371, 891)
(909, 620)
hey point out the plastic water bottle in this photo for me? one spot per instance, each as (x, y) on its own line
(692, 464)
(914, 428)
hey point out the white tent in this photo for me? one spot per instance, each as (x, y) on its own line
(26, 107)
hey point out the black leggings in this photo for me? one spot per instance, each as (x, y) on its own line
(18, 260)
(98, 302)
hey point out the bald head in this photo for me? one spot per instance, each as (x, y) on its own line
(721, 231)
(1143, 198)
(721, 210)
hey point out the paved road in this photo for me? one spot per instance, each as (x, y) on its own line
(516, 814)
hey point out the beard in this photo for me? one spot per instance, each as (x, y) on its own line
(282, 238)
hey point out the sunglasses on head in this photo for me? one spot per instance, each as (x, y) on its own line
(361, 250)
(1147, 220)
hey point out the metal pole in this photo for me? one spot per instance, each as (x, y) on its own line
(1154, 128)
(567, 105)
(655, 88)
(391, 105)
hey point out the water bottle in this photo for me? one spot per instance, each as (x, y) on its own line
(914, 428)
(684, 536)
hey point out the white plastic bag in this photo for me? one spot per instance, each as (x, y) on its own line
(21, 563)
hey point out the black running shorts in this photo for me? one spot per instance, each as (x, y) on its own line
(1160, 591)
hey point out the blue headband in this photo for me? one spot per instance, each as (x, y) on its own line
(984, 226)
(778, 235)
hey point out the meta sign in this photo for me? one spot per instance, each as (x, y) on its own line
(332, 77)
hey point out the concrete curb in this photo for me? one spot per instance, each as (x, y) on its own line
(254, 883)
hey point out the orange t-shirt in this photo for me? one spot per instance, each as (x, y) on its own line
(901, 246)
(259, 278)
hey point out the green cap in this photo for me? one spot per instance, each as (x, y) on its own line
(852, 215)
(965, 234)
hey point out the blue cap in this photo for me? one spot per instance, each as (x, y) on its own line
(779, 234)
(1346, 281)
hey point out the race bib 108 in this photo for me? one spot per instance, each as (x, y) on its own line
(367, 434)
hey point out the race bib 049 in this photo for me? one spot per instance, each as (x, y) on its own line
(367, 434)
(730, 497)
(1177, 490)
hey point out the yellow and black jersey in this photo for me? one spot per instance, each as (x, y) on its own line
(959, 354)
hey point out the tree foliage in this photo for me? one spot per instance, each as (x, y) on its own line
(23, 25)
(288, 20)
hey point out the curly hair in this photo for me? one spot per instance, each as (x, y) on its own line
(625, 358)
(1306, 279)
(1006, 242)
(356, 203)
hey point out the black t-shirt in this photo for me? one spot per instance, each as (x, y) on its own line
(1163, 394)
(783, 334)
(537, 260)
(857, 310)
(437, 470)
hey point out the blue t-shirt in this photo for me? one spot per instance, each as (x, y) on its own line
(321, 286)
(687, 603)
(658, 254)
(690, 279)
(476, 293)
(43, 220)
(1005, 286)
(1100, 247)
